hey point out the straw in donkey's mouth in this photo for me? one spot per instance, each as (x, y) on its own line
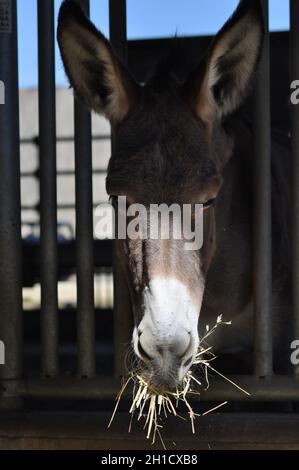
(153, 406)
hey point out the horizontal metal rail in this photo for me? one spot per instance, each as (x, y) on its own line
(66, 206)
(225, 430)
(68, 138)
(274, 389)
(35, 173)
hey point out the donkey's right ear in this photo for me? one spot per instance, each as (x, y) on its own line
(219, 86)
(97, 75)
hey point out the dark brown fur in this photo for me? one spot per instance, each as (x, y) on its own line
(178, 142)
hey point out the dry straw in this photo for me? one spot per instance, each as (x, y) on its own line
(154, 407)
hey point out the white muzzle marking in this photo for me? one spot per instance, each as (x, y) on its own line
(168, 331)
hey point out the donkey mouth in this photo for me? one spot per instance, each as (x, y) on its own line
(159, 385)
(162, 378)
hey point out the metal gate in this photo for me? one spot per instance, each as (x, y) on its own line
(263, 384)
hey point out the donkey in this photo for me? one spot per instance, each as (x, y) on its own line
(182, 143)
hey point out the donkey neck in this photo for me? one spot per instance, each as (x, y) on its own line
(228, 284)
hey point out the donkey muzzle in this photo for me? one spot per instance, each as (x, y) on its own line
(167, 358)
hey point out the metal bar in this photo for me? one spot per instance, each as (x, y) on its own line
(65, 206)
(63, 139)
(262, 275)
(84, 238)
(95, 171)
(28, 141)
(118, 28)
(48, 191)
(294, 43)
(11, 317)
(35, 173)
(88, 430)
(122, 311)
(275, 389)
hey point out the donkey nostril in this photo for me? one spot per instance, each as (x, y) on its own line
(143, 353)
(188, 362)
(188, 347)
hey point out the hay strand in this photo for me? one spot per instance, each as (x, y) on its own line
(153, 406)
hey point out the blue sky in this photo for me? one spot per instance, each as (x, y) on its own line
(145, 19)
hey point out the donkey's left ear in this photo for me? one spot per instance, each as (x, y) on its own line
(97, 75)
(218, 88)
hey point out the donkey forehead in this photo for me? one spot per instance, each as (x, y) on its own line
(158, 176)
(158, 147)
(161, 117)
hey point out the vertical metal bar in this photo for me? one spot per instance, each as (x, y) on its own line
(118, 28)
(11, 318)
(84, 238)
(48, 197)
(262, 276)
(122, 311)
(294, 44)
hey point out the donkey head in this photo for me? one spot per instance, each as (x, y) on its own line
(170, 146)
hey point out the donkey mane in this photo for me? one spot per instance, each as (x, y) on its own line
(174, 65)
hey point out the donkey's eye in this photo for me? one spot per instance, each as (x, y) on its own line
(209, 203)
(143, 353)
(113, 200)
